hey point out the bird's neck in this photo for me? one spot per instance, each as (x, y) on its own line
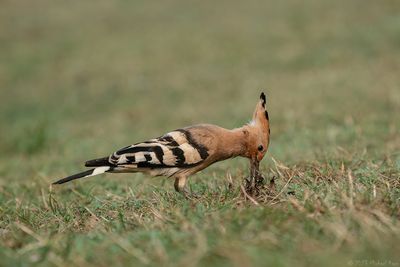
(233, 143)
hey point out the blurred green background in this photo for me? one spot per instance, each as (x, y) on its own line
(79, 79)
(77, 74)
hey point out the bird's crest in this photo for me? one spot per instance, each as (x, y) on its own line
(260, 115)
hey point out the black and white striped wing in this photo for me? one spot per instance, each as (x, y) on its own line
(176, 149)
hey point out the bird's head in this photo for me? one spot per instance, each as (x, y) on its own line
(258, 131)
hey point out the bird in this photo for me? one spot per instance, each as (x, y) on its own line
(183, 152)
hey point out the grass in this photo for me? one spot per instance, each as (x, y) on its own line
(79, 80)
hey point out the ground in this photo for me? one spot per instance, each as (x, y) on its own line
(79, 80)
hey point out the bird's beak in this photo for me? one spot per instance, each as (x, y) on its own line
(254, 167)
(255, 175)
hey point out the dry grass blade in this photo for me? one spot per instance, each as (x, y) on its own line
(282, 190)
(248, 196)
(351, 189)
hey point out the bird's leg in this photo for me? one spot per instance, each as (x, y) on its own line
(180, 185)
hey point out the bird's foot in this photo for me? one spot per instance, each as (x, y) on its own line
(190, 195)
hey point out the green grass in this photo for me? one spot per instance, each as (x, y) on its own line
(81, 79)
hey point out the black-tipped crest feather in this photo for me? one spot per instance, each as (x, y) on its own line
(263, 99)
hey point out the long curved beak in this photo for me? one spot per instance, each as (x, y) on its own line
(254, 174)
(254, 167)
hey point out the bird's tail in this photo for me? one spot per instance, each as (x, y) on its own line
(88, 173)
(99, 162)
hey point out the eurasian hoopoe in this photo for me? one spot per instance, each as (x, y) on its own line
(185, 151)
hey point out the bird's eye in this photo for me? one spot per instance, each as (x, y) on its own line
(260, 148)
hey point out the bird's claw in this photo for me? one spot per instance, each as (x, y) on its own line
(189, 195)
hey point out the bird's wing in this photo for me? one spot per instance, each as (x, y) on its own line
(174, 149)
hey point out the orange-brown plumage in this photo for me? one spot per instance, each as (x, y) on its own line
(185, 151)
